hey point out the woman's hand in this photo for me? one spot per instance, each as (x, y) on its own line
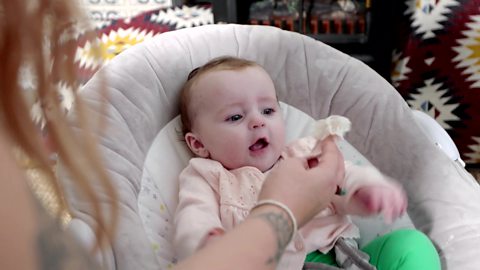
(306, 187)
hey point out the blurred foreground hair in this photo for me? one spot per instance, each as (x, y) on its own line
(38, 42)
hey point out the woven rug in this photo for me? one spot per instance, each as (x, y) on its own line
(116, 36)
(437, 66)
(103, 12)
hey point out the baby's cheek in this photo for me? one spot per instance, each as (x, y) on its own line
(232, 157)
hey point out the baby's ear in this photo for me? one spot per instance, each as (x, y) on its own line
(195, 145)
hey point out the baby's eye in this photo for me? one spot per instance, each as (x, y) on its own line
(234, 118)
(268, 111)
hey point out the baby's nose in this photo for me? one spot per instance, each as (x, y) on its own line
(257, 122)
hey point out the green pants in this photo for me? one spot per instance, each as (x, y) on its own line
(401, 249)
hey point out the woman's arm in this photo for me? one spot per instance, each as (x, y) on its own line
(18, 227)
(29, 237)
(251, 245)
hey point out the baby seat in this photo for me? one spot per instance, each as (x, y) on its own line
(143, 86)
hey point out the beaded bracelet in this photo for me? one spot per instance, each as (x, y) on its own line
(284, 208)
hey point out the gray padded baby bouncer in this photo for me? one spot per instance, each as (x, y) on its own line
(143, 85)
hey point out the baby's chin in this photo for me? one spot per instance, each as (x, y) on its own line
(261, 166)
(268, 167)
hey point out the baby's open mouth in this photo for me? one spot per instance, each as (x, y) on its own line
(259, 144)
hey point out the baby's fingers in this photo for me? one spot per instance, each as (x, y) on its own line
(394, 206)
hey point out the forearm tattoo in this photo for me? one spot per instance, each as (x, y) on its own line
(283, 229)
(56, 249)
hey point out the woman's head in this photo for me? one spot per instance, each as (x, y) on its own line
(231, 114)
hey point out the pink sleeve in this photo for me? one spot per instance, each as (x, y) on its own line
(360, 176)
(198, 208)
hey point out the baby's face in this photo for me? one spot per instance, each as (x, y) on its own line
(236, 118)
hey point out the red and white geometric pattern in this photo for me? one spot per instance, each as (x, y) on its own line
(427, 15)
(474, 155)
(102, 12)
(468, 51)
(436, 67)
(433, 99)
(184, 16)
(119, 35)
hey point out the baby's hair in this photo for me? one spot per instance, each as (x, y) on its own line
(216, 64)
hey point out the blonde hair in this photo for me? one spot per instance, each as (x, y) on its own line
(220, 63)
(41, 36)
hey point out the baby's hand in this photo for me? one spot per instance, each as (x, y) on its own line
(390, 200)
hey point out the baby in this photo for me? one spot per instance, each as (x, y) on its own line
(233, 124)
